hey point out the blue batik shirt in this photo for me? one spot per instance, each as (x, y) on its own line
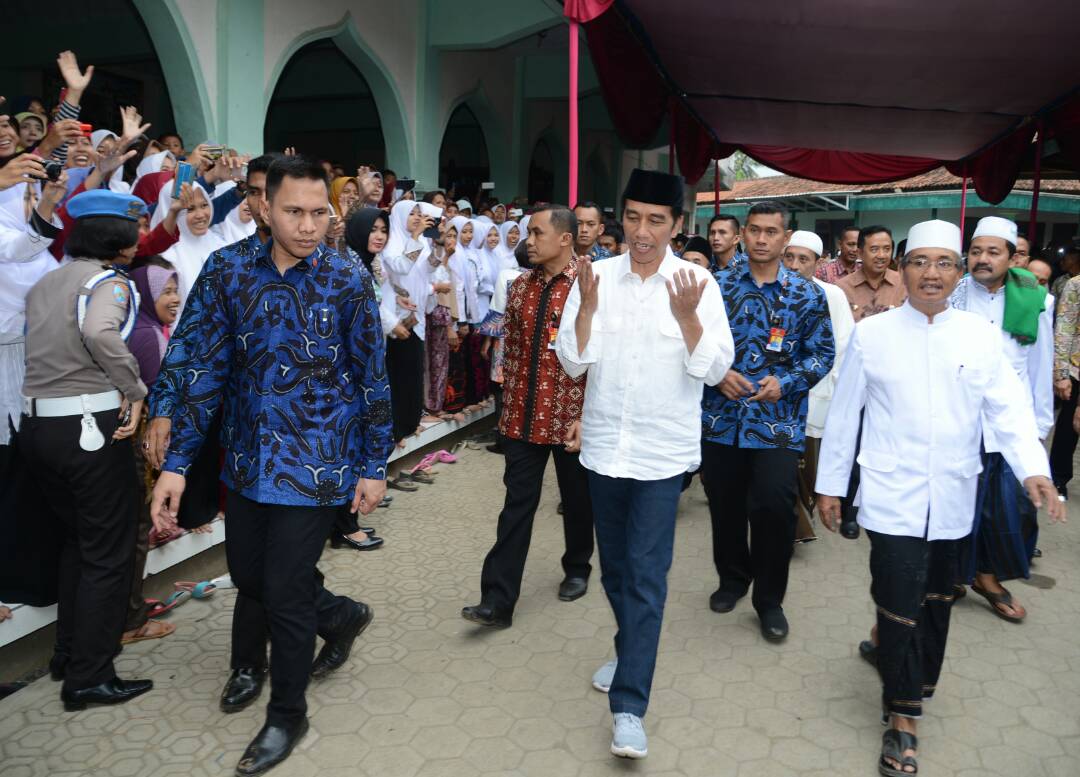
(300, 361)
(806, 354)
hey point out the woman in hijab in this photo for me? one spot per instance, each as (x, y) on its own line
(442, 316)
(161, 162)
(465, 293)
(159, 296)
(509, 236)
(237, 225)
(344, 193)
(486, 266)
(406, 261)
(197, 241)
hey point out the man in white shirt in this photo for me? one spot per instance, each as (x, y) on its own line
(1011, 298)
(651, 330)
(802, 254)
(931, 380)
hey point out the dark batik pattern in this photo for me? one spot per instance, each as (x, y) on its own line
(797, 306)
(540, 401)
(300, 361)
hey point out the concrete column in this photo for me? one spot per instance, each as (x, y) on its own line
(241, 108)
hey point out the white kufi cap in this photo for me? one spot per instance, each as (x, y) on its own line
(464, 205)
(805, 239)
(995, 226)
(934, 234)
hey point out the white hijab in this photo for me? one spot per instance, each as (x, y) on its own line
(399, 237)
(152, 164)
(190, 252)
(504, 252)
(485, 257)
(233, 229)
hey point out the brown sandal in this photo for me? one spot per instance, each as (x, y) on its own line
(150, 630)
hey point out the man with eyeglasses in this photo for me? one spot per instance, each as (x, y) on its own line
(928, 377)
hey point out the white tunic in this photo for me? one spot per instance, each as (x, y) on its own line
(843, 324)
(642, 414)
(1034, 364)
(928, 388)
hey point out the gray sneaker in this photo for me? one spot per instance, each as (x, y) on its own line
(628, 738)
(601, 681)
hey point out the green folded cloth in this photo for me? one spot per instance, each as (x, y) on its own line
(1024, 303)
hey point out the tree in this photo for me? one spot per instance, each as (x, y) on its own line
(745, 168)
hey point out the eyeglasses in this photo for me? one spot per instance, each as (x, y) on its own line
(922, 263)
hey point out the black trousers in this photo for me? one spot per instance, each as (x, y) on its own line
(272, 551)
(755, 488)
(912, 586)
(251, 631)
(95, 494)
(500, 580)
(1064, 443)
(405, 371)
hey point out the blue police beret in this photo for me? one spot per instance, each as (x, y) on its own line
(101, 202)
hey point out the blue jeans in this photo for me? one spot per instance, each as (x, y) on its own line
(635, 532)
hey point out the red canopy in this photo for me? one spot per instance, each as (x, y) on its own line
(844, 91)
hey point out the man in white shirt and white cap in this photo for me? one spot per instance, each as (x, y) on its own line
(464, 208)
(931, 380)
(651, 330)
(801, 254)
(1011, 298)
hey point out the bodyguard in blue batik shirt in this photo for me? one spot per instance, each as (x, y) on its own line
(754, 420)
(290, 334)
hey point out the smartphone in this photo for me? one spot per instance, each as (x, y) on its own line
(185, 173)
(214, 152)
(405, 184)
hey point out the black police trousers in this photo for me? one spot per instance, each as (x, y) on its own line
(96, 495)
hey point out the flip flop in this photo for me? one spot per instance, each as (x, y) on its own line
(203, 590)
(158, 607)
(166, 630)
(419, 476)
(996, 599)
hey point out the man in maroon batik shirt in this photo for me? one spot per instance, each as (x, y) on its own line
(541, 417)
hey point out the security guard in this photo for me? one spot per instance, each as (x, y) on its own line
(82, 402)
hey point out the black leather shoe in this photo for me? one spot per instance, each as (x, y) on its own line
(572, 588)
(115, 691)
(345, 541)
(271, 746)
(58, 666)
(485, 615)
(724, 601)
(243, 687)
(849, 529)
(868, 652)
(774, 626)
(335, 651)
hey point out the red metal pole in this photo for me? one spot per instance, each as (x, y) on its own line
(1034, 218)
(671, 138)
(572, 199)
(716, 187)
(963, 206)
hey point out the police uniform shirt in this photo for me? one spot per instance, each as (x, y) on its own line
(61, 361)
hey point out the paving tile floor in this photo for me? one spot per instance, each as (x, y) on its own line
(427, 694)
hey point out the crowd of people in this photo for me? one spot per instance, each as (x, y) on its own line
(187, 335)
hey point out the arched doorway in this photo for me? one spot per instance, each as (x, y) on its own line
(542, 173)
(323, 106)
(112, 36)
(463, 156)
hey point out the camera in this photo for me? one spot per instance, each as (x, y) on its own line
(53, 169)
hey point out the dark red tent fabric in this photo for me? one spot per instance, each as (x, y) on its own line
(845, 91)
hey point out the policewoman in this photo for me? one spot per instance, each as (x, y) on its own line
(82, 402)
